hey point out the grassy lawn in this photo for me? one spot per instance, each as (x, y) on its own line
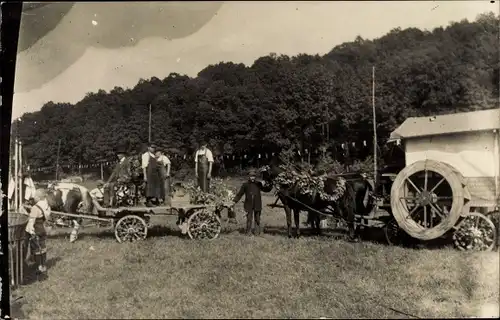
(168, 276)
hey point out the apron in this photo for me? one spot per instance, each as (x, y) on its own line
(203, 182)
(166, 181)
(154, 185)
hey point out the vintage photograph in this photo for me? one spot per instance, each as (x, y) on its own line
(255, 159)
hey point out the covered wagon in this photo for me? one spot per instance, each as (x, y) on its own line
(450, 183)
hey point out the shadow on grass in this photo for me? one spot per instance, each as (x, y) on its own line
(367, 235)
(16, 311)
(31, 275)
(377, 235)
(373, 235)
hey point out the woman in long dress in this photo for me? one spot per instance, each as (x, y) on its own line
(152, 176)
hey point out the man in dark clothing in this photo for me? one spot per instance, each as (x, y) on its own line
(253, 202)
(152, 176)
(121, 174)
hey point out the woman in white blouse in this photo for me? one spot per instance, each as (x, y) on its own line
(165, 166)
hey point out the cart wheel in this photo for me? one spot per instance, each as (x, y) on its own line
(393, 233)
(428, 198)
(495, 217)
(131, 228)
(204, 224)
(475, 233)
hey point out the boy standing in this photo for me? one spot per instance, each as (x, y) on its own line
(203, 162)
(35, 227)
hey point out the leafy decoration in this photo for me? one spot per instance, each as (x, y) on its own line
(220, 194)
(308, 183)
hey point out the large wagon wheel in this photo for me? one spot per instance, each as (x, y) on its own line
(131, 228)
(428, 198)
(475, 233)
(204, 224)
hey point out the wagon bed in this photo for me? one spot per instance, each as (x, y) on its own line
(199, 221)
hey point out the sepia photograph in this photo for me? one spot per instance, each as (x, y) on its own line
(254, 159)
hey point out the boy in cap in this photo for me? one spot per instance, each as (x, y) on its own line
(203, 162)
(253, 201)
(35, 227)
(98, 192)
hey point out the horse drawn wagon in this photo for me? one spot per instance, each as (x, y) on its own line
(198, 213)
(449, 186)
(131, 223)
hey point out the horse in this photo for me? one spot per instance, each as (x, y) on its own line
(71, 198)
(353, 200)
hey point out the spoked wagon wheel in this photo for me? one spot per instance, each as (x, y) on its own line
(131, 228)
(204, 224)
(428, 198)
(393, 233)
(475, 233)
(494, 216)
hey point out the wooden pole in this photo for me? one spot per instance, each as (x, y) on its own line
(20, 173)
(57, 159)
(16, 170)
(149, 132)
(102, 172)
(374, 129)
(496, 153)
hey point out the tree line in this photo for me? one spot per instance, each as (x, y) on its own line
(306, 103)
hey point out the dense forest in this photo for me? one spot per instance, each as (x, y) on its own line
(305, 103)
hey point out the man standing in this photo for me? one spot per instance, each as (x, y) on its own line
(39, 213)
(152, 176)
(203, 161)
(121, 174)
(165, 166)
(253, 201)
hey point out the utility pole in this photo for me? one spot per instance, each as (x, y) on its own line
(149, 136)
(374, 129)
(57, 159)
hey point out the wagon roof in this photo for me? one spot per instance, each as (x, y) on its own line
(449, 123)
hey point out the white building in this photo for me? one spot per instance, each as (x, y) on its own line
(467, 141)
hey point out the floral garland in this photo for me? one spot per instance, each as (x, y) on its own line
(307, 183)
(219, 194)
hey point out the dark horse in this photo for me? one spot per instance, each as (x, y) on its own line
(352, 201)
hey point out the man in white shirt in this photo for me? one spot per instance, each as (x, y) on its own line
(152, 176)
(35, 227)
(203, 161)
(165, 165)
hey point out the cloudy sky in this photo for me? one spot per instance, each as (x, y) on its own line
(102, 45)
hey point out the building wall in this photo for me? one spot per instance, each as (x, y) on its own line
(473, 154)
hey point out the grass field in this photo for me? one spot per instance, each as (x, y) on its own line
(271, 276)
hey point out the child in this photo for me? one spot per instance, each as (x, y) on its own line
(253, 202)
(98, 193)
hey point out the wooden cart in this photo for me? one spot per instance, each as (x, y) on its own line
(132, 223)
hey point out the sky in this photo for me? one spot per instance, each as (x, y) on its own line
(102, 45)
